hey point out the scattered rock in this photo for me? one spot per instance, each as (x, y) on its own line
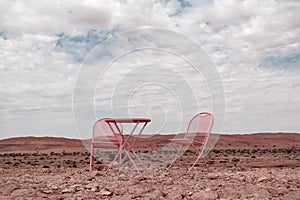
(54, 187)
(95, 189)
(9, 188)
(94, 174)
(169, 181)
(92, 185)
(212, 176)
(46, 191)
(206, 194)
(190, 193)
(141, 178)
(155, 194)
(261, 179)
(22, 192)
(106, 192)
(164, 174)
(68, 190)
(242, 179)
(123, 177)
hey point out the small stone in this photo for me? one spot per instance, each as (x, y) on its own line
(91, 185)
(123, 177)
(76, 187)
(169, 181)
(190, 193)
(105, 193)
(9, 189)
(141, 178)
(95, 189)
(212, 176)
(242, 179)
(22, 192)
(94, 174)
(46, 191)
(164, 174)
(261, 179)
(206, 194)
(155, 194)
(54, 187)
(68, 190)
(282, 191)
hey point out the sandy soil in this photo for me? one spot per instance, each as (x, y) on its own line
(254, 166)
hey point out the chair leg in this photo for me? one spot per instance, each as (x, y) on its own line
(205, 163)
(178, 152)
(132, 161)
(92, 159)
(193, 165)
(122, 158)
(119, 153)
(130, 149)
(199, 156)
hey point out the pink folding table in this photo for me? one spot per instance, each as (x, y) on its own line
(127, 145)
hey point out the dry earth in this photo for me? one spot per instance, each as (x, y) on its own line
(254, 166)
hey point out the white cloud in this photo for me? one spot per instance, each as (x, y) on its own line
(254, 44)
(36, 85)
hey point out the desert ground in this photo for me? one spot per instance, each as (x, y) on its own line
(248, 166)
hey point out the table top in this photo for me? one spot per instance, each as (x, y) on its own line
(127, 120)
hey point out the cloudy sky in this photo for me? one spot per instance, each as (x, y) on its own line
(57, 56)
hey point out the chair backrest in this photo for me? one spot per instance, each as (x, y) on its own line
(102, 131)
(200, 125)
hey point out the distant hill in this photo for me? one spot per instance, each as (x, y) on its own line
(40, 144)
(234, 141)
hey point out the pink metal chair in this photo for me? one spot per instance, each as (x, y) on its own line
(196, 136)
(105, 137)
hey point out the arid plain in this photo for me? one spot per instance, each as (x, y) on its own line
(249, 166)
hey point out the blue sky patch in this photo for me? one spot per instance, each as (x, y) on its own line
(288, 62)
(183, 5)
(79, 46)
(3, 35)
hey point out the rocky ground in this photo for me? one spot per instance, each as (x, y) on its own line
(254, 166)
(231, 174)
